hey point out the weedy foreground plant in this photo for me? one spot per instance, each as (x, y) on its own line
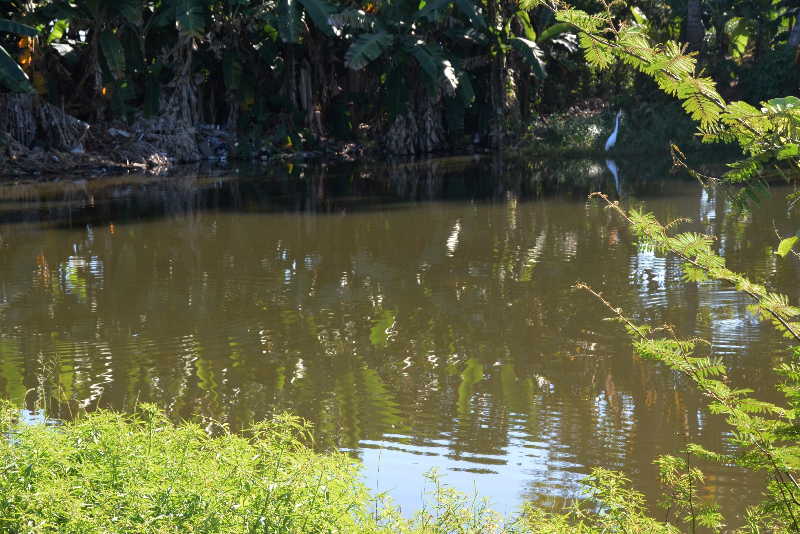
(110, 472)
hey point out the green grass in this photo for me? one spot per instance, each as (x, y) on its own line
(107, 472)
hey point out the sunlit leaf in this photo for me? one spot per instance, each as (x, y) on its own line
(532, 54)
(60, 27)
(320, 12)
(553, 31)
(639, 16)
(786, 245)
(788, 151)
(190, 16)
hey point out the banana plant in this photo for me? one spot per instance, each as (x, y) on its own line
(404, 39)
(412, 55)
(429, 56)
(292, 18)
(96, 29)
(12, 76)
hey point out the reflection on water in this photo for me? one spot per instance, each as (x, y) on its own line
(419, 314)
(614, 170)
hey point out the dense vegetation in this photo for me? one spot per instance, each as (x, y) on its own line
(415, 76)
(424, 76)
(141, 473)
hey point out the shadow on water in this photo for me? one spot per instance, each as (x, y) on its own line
(420, 314)
(318, 189)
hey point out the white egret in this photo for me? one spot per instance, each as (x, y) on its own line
(612, 139)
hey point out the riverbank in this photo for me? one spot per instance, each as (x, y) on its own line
(112, 150)
(157, 147)
(111, 472)
(39, 139)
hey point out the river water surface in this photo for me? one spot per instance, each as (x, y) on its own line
(420, 315)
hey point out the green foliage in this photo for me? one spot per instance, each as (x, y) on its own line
(774, 75)
(531, 53)
(786, 245)
(142, 51)
(573, 133)
(190, 16)
(554, 31)
(12, 77)
(139, 473)
(431, 60)
(763, 135)
(610, 506)
(113, 53)
(289, 21)
(646, 129)
(10, 26)
(366, 48)
(184, 58)
(107, 472)
(320, 12)
(682, 482)
(765, 434)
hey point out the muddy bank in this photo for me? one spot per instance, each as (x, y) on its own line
(39, 139)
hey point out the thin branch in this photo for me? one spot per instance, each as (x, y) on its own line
(694, 263)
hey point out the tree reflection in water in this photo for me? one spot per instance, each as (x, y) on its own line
(419, 314)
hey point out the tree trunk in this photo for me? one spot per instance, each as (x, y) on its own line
(17, 117)
(291, 80)
(695, 32)
(511, 100)
(722, 45)
(418, 130)
(496, 84)
(309, 104)
(524, 91)
(432, 128)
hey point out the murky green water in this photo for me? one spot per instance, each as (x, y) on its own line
(420, 315)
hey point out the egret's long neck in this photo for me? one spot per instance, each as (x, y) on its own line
(616, 124)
